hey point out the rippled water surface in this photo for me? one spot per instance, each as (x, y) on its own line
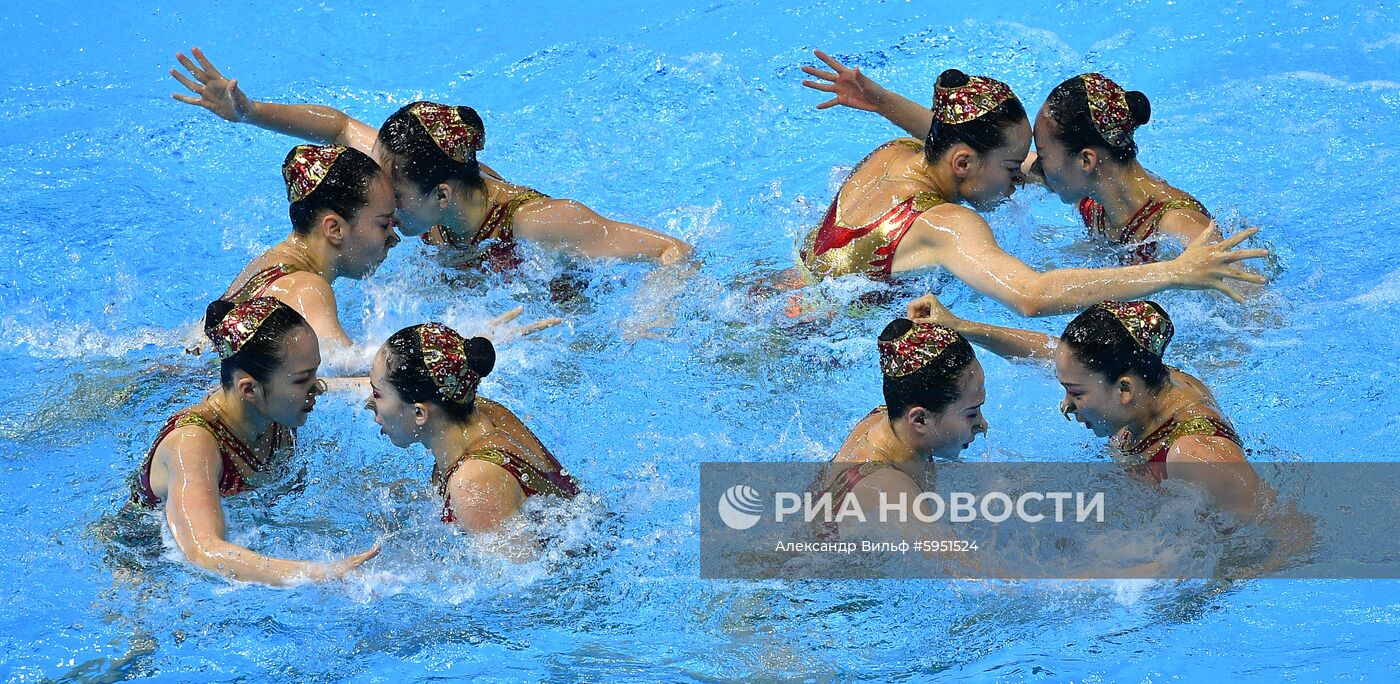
(126, 212)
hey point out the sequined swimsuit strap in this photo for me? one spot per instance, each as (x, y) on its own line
(230, 448)
(1144, 222)
(257, 285)
(1166, 435)
(500, 218)
(845, 482)
(533, 481)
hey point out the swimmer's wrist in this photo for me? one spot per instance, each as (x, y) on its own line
(255, 114)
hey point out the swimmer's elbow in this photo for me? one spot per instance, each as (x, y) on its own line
(1031, 305)
(216, 556)
(677, 251)
(1041, 296)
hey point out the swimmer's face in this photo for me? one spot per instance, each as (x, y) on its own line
(418, 210)
(994, 175)
(371, 234)
(397, 420)
(951, 431)
(289, 394)
(1063, 169)
(1089, 399)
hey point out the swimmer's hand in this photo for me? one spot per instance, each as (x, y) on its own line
(497, 331)
(338, 569)
(216, 93)
(927, 309)
(851, 88)
(1208, 262)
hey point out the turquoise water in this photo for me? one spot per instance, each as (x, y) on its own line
(127, 212)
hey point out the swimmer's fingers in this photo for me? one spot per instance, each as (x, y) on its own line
(1246, 276)
(1231, 293)
(185, 81)
(1237, 238)
(1242, 254)
(920, 308)
(204, 63)
(813, 71)
(191, 67)
(506, 317)
(537, 326)
(818, 85)
(830, 61)
(359, 559)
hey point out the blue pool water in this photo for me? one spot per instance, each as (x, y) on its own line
(125, 212)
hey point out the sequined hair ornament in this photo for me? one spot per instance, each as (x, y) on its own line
(240, 325)
(1144, 323)
(455, 137)
(916, 348)
(445, 357)
(307, 167)
(964, 103)
(1108, 108)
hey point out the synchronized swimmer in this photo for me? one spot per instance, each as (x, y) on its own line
(911, 203)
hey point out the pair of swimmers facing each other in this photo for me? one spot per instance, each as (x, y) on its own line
(441, 191)
(902, 209)
(1161, 421)
(424, 382)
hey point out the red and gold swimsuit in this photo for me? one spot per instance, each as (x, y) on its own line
(844, 482)
(833, 249)
(498, 226)
(1141, 228)
(532, 480)
(232, 451)
(1190, 420)
(257, 285)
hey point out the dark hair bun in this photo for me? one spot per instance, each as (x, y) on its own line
(952, 78)
(215, 312)
(1139, 107)
(897, 327)
(481, 355)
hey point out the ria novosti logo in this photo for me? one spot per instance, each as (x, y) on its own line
(740, 507)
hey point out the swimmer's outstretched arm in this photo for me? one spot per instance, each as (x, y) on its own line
(854, 89)
(572, 225)
(961, 241)
(310, 122)
(195, 513)
(1008, 343)
(223, 97)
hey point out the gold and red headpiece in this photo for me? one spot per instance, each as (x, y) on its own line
(1108, 108)
(307, 167)
(1144, 323)
(916, 348)
(455, 137)
(445, 357)
(964, 103)
(241, 325)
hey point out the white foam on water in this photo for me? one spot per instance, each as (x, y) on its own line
(1334, 82)
(1385, 292)
(77, 340)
